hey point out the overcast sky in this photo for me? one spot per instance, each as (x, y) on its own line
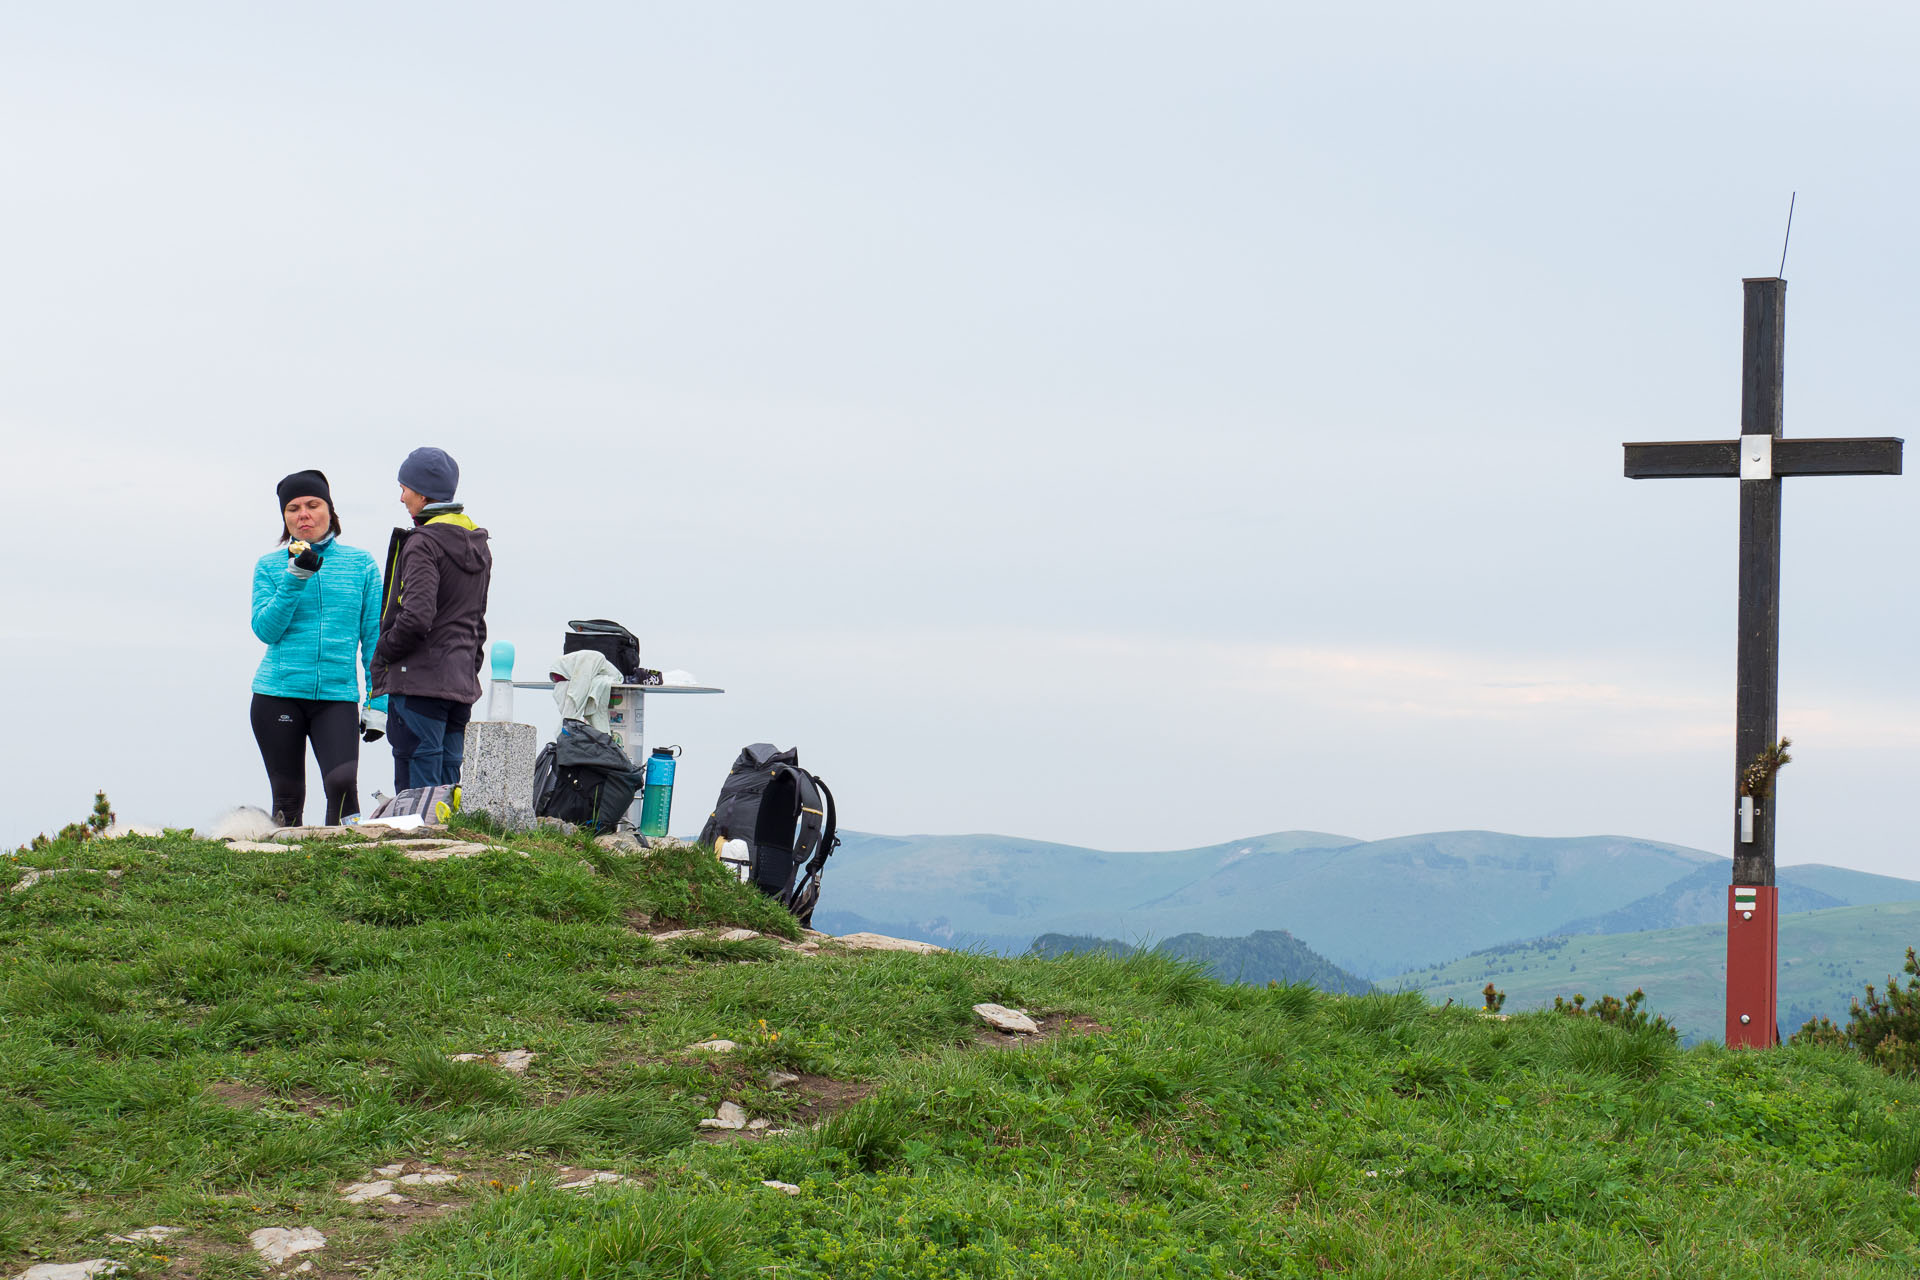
(1130, 425)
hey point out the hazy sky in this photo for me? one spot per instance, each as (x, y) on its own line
(1132, 425)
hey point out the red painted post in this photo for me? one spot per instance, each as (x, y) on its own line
(1753, 954)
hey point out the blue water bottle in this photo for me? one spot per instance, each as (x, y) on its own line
(658, 806)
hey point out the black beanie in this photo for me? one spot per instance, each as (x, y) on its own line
(305, 484)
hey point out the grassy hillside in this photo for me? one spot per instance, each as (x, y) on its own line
(223, 1042)
(1701, 898)
(1370, 907)
(1264, 956)
(1826, 957)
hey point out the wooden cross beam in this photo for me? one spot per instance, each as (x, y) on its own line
(1760, 458)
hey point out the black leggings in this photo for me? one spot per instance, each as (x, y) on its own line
(282, 727)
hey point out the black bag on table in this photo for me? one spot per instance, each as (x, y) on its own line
(788, 820)
(613, 641)
(583, 778)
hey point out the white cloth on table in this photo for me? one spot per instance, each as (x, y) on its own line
(585, 687)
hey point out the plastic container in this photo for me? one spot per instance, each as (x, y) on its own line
(657, 807)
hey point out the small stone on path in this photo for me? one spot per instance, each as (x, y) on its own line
(1011, 1021)
(362, 1192)
(778, 1185)
(881, 942)
(462, 850)
(593, 1180)
(71, 1270)
(672, 935)
(739, 935)
(405, 843)
(757, 1125)
(730, 1116)
(431, 1178)
(144, 1234)
(514, 1060)
(277, 1244)
(391, 1170)
(35, 875)
(713, 1046)
(781, 1079)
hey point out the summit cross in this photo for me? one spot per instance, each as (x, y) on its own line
(1760, 459)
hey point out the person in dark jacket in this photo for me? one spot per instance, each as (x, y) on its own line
(433, 624)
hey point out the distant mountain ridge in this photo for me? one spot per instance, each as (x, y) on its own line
(1265, 956)
(1372, 908)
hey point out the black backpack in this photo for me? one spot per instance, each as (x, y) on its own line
(582, 778)
(788, 820)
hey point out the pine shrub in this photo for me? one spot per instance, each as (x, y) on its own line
(1884, 1031)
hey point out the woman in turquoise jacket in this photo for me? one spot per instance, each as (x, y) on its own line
(316, 606)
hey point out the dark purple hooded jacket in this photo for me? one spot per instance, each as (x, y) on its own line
(433, 620)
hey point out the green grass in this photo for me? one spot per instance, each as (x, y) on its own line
(219, 1041)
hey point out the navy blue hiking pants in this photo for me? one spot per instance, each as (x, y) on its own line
(429, 737)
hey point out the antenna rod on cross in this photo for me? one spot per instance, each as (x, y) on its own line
(1788, 238)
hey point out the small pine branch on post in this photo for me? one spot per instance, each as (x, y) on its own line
(1757, 779)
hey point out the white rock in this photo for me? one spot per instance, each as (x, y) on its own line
(757, 1125)
(673, 934)
(277, 1244)
(515, 1060)
(293, 835)
(35, 875)
(71, 1270)
(593, 1180)
(714, 1046)
(441, 854)
(781, 1079)
(377, 843)
(432, 1178)
(144, 1234)
(778, 1185)
(1001, 1018)
(739, 935)
(881, 942)
(362, 1192)
(390, 1170)
(730, 1116)
(121, 830)
(255, 846)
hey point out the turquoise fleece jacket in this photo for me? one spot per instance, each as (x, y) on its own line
(315, 627)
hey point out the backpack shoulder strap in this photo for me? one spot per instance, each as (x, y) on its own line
(819, 834)
(830, 829)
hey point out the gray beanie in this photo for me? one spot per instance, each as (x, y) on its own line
(431, 473)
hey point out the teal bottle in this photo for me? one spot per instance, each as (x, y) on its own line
(657, 808)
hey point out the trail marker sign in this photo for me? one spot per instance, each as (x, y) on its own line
(1760, 459)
